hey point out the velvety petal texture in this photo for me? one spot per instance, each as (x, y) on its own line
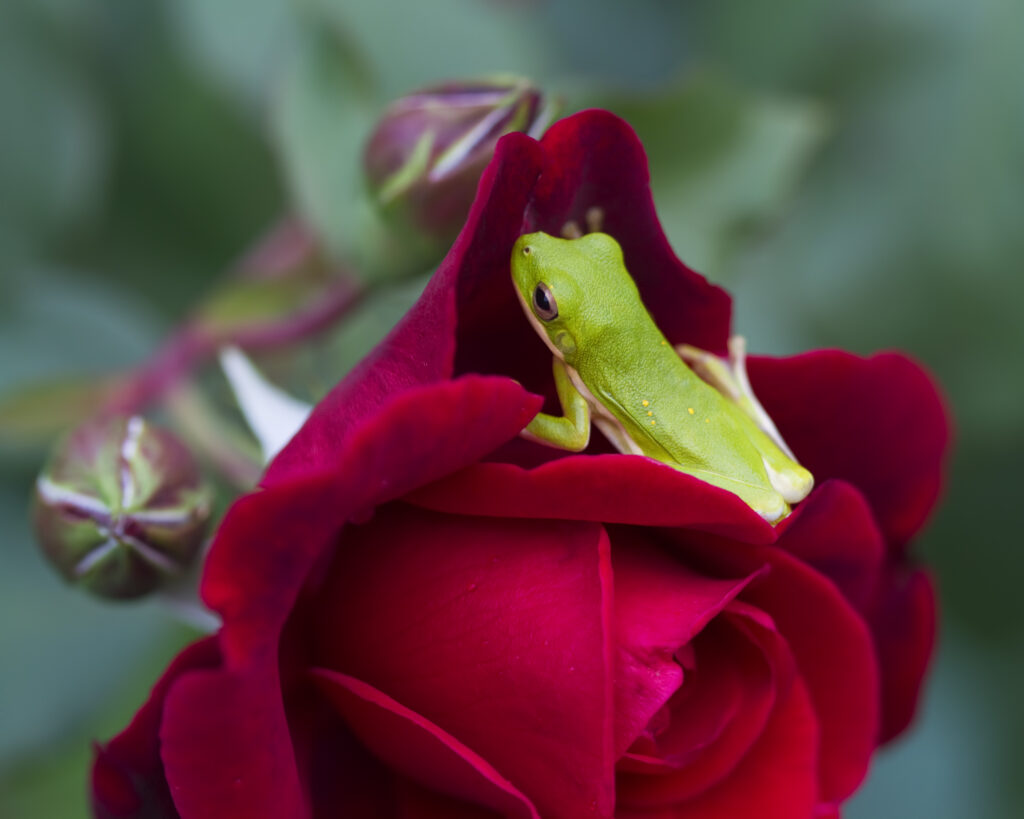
(429, 617)
(497, 631)
(128, 778)
(876, 422)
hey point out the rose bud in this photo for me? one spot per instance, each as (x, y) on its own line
(120, 508)
(425, 157)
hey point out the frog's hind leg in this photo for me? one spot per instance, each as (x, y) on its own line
(767, 501)
(729, 377)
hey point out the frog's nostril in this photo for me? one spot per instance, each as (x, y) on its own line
(527, 250)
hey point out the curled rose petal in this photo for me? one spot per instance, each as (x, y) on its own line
(611, 488)
(835, 533)
(878, 423)
(226, 747)
(832, 649)
(409, 743)
(904, 626)
(128, 777)
(496, 631)
(660, 606)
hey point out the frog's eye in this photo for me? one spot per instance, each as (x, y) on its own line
(544, 302)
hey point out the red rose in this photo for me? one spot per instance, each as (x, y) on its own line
(427, 616)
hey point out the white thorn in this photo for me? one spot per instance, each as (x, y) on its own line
(272, 415)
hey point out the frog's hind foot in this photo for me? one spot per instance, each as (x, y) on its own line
(729, 377)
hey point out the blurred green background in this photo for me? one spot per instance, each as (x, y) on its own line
(851, 171)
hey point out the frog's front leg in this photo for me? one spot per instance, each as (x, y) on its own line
(571, 431)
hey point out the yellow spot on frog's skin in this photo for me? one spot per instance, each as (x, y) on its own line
(663, 342)
(649, 412)
(707, 420)
(690, 410)
(646, 403)
(653, 423)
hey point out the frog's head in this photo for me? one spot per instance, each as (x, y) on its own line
(571, 289)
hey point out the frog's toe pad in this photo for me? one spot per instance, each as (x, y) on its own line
(794, 484)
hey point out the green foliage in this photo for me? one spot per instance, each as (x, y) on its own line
(722, 160)
(322, 116)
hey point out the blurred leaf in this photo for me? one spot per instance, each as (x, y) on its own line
(246, 65)
(192, 180)
(63, 651)
(53, 144)
(322, 116)
(56, 322)
(960, 774)
(620, 46)
(721, 159)
(31, 417)
(312, 370)
(415, 44)
(52, 781)
(244, 302)
(52, 785)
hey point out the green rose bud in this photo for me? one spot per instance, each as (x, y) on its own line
(425, 158)
(120, 508)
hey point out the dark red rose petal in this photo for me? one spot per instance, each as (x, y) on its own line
(776, 780)
(269, 540)
(128, 775)
(835, 532)
(904, 629)
(499, 632)
(742, 668)
(660, 606)
(416, 802)
(878, 423)
(412, 745)
(421, 348)
(833, 649)
(227, 750)
(335, 767)
(610, 488)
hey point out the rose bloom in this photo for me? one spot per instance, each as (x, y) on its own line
(428, 616)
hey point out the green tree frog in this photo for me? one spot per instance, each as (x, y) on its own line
(613, 365)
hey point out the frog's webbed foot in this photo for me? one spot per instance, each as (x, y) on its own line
(729, 377)
(571, 431)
